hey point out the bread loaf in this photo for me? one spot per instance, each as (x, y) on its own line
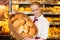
(18, 22)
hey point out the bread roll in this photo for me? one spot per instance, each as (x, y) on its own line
(29, 22)
(24, 35)
(20, 29)
(18, 16)
(26, 28)
(18, 22)
(31, 32)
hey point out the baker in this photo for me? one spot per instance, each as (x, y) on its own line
(40, 21)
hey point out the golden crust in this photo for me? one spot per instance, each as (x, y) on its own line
(29, 22)
(24, 35)
(24, 25)
(20, 29)
(31, 32)
(26, 28)
(18, 22)
(17, 16)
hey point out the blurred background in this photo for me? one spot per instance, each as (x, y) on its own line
(51, 10)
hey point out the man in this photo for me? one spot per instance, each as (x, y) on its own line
(40, 21)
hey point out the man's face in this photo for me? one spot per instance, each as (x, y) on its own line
(36, 10)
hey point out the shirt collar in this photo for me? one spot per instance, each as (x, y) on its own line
(40, 17)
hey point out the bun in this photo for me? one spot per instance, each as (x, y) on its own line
(26, 28)
(18, 22)
(29, 22)
(20, 29)
(31, 31)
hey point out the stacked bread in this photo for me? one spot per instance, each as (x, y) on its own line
(23, 25)
(4, 20)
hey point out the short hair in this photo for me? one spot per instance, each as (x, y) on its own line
(36, 3)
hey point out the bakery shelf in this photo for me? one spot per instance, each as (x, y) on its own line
(56, 24)
(52, 15)
(53, 38)
(47, 15)
(30, 14)
(5, 35)
(46, 5)
(56, 21)
(29, 2)
(51, 5)
(19, 2)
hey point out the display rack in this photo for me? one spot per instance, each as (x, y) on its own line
(23, 4)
